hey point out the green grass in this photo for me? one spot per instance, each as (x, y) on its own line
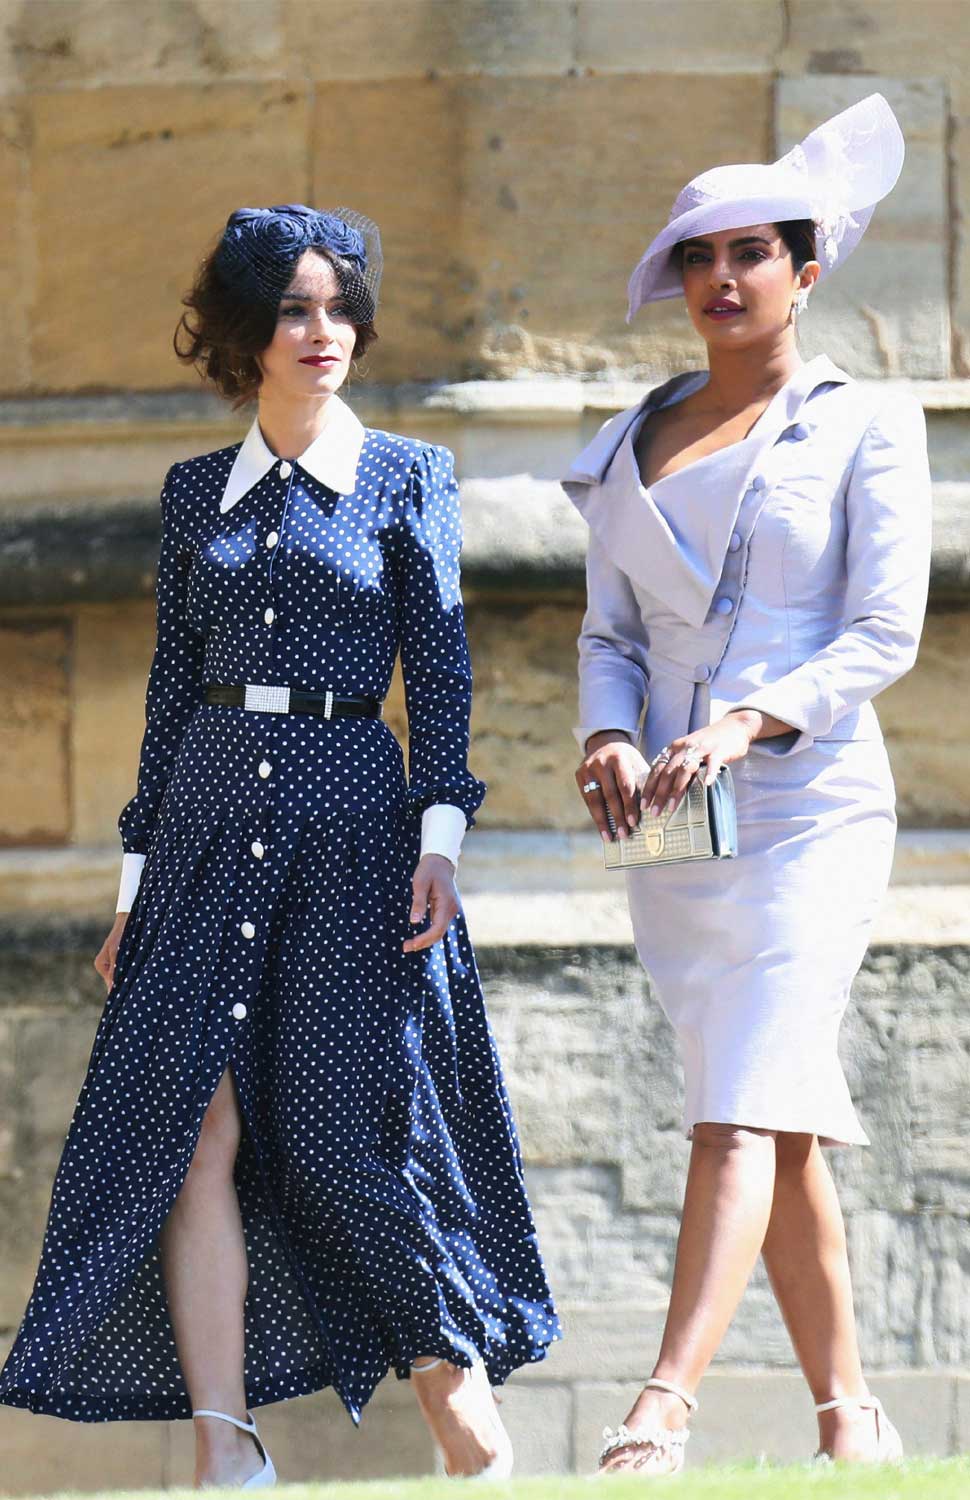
(947, 1480)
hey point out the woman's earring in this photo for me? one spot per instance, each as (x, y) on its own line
(800, 302)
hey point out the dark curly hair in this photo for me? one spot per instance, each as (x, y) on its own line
(221, 332)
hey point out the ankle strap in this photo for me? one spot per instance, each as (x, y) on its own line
(431, 1365)
(674, 1390)
(204, 1411)
(865, 1403)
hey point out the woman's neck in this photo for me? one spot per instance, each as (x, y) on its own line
(288, 426)
(742, 378)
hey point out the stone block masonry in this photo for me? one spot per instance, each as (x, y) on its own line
(595, 1083)
(517, 154)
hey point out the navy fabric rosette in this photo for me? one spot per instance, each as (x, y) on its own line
(260, 247)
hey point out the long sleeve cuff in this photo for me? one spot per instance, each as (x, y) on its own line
(131, 868)
(584, 732)
(442, 830)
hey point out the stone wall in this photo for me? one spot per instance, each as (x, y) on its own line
(69, 743)
(596, 1082)
(518, 154)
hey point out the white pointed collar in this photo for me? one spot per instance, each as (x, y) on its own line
(332, 458)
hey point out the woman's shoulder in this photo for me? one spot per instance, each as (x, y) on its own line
(408, 452)
(854, 407)
(202, 470)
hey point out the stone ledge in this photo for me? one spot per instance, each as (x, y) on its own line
(543, 890)
(521, 533)
(513, 400)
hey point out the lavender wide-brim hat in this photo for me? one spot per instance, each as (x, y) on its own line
(835, 177)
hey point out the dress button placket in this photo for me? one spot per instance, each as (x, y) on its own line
(268, 724)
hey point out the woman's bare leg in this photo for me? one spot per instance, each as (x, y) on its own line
(206, 1275)
(727, 1206)
(459, 1408)
(808, 1265)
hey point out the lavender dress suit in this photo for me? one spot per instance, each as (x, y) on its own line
(787, 573)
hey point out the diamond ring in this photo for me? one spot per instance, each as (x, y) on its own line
(591, 786)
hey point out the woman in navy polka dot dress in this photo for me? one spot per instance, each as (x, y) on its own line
(293, 1163)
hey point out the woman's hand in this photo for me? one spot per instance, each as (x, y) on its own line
(618, 769)
(434, 888)
(702, 753)
(105, 961)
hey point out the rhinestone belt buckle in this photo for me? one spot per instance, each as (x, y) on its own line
(267, 700)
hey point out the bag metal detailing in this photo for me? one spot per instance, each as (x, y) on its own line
(703, 826)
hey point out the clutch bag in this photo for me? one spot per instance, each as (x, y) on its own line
(703, 826)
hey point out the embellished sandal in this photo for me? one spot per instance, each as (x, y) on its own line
(667, 1441)
(889, 1445)
(501, 1465)
(264, 1476)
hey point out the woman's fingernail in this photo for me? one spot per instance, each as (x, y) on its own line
(604, 835)
(654, 810)
(632, 819)
(671, 804)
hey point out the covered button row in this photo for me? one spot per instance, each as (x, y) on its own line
(248, 930)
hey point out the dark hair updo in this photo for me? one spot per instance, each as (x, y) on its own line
(224, 329)
(799, 236)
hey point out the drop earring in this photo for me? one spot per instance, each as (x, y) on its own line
(800, 302)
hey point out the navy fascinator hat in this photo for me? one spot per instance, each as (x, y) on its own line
(260, 247)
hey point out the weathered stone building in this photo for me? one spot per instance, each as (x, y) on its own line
(517, 154)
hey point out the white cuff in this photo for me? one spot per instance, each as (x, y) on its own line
(442, 830)
(131, 868)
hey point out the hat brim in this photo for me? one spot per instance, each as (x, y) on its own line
(657, 277)
(861, 150)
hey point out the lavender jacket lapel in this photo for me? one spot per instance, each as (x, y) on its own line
(672, 538)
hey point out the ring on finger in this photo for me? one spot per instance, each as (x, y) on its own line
(591, 786)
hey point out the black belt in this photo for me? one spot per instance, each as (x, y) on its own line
(262, 699)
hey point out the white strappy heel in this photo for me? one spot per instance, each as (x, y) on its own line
(889, 1445)
(264, 1476)
(663, 1440)
(502, 1464)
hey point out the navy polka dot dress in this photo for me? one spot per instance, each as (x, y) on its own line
(379, 1177)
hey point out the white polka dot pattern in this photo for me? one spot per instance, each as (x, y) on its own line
(379, 1176)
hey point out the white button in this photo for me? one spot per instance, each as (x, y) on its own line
(258, 849)
(270, 616)
(264, 768)
(285, 469)
(239, 1011)
(758, 482)
(724, 606)
(735, 543)
(702, 674)
(248, 930)
(272, 539)
(800, 431)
